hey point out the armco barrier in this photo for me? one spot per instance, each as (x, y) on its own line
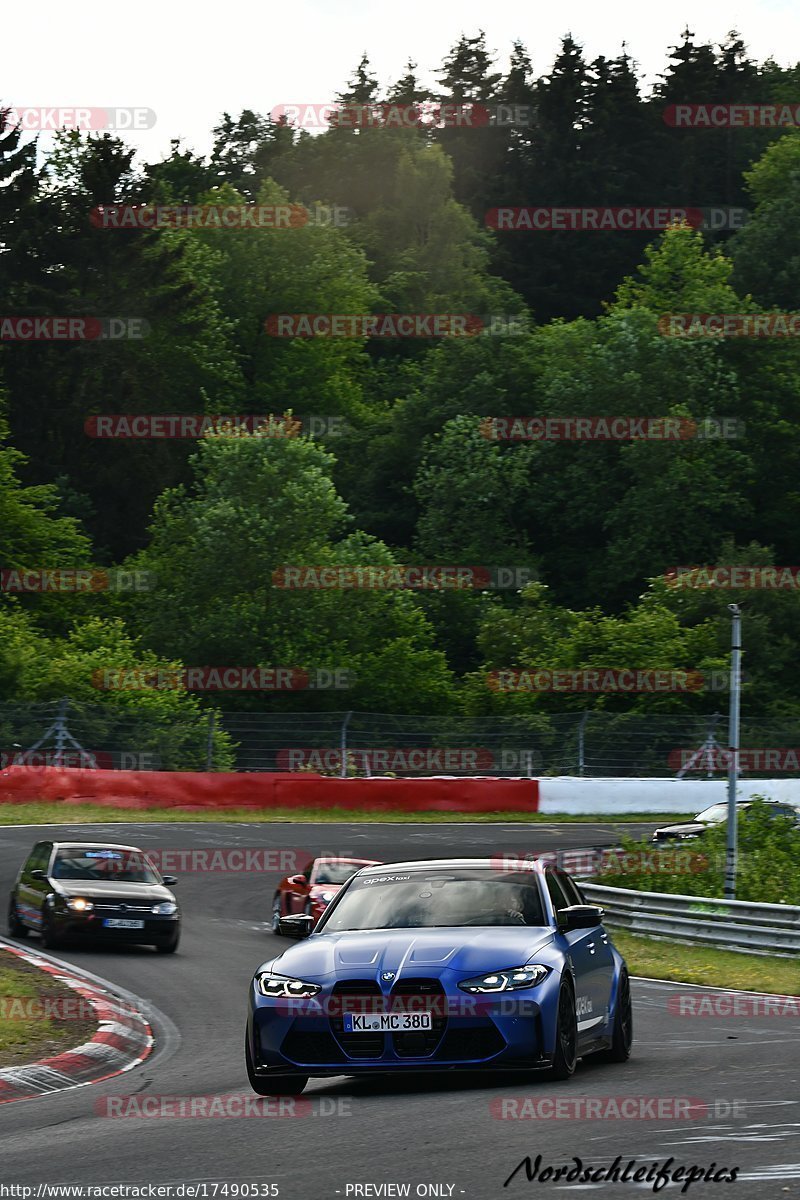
(731, 924)
(190, 789)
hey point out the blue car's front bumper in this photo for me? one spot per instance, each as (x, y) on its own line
(469, 1032)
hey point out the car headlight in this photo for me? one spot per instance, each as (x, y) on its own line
(78, 904)
(506, 981)
(165, 909)
(281, 987)
(326, 897)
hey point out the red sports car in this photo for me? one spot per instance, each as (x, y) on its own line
(312, 890)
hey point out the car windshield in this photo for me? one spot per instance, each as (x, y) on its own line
(713, 815)
(428, 900)
(330, 872)
(102, 864)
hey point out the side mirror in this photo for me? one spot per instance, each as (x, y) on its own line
(579, 916)
(169, 880)
(38, 874)
(296, 926)
(297, 880)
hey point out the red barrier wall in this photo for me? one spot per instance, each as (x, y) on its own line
(191, 789)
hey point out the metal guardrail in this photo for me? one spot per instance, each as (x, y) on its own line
(729, 924)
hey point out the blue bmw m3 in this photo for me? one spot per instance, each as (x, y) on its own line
(440, 965)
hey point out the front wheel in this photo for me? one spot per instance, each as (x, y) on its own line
(15, 927)
(168, 945)
(50, 939)
(286, 1085)
(565, 1055)
(622, 1035)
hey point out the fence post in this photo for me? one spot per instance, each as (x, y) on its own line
(210, 742)
(343, 745)
(582, 741)
(60, 729)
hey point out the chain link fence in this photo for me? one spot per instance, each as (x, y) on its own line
(590, 743)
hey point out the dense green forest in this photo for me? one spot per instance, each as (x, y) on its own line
(408, 474)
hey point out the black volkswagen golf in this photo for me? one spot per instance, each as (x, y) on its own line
(93, 891)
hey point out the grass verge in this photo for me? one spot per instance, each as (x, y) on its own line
(706, 965)
(69, 814)
(33, 1026)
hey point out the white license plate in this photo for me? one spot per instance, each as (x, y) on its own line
(386, 1022)
(122, 923)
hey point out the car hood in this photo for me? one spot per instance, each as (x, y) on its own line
(94, 889)
(412, 952)
(318, 888)
(682, 829)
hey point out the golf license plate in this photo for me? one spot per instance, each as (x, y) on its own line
(122, 923)
(386, 1022)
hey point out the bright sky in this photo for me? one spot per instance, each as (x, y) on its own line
(191, 61)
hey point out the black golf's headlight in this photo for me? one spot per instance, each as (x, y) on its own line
(511, 980)
(282, 987)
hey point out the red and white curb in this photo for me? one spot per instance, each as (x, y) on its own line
(123, 1040)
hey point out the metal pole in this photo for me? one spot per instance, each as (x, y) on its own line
(61, 730)
(581, 745)
(343, 745)
(210, 743)
(733, 748)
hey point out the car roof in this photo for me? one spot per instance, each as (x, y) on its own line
(475, 864)
(328, 858)
(93, 846)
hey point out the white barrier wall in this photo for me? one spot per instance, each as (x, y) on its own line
(585, 796)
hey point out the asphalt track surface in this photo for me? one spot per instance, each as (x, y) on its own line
(418, 1132)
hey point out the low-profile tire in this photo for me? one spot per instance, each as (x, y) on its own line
(565, 1055)
(276, 914)
(50, 939)
(622, 1035)
(168, 945)
(276, 1085)
(15, 927)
